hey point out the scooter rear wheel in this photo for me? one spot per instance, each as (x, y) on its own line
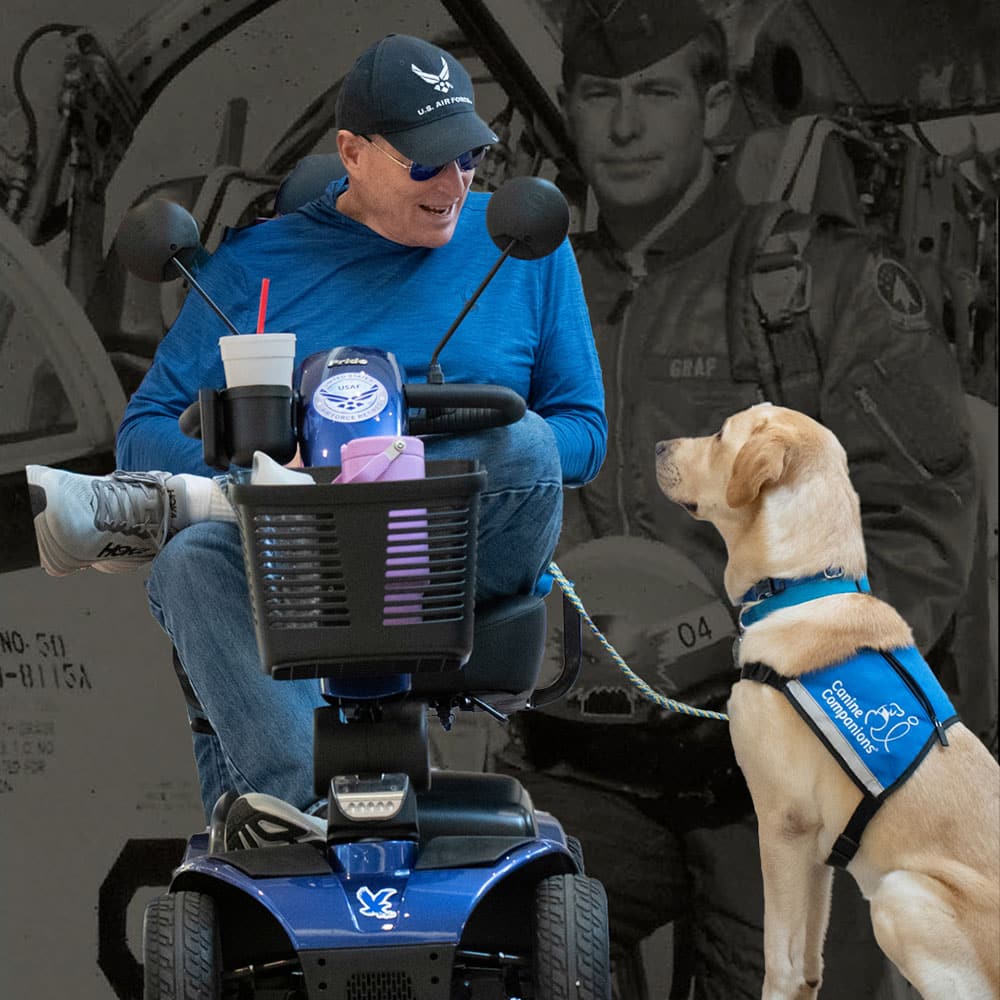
(182, 954)
(570, 925)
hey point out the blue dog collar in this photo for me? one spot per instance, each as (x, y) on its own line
(771, 594)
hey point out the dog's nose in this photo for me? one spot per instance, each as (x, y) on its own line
(662, 447)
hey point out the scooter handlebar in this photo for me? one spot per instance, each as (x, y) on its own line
(451, 407)
(231, 436)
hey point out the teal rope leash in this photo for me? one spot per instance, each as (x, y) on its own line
(633, 678)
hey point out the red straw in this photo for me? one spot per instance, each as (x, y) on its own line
(265, 284)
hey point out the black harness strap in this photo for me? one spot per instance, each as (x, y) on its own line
(763, 674)
(847, 844)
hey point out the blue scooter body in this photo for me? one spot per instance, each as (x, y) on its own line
(375, 895)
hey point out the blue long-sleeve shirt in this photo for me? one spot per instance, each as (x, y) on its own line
(334, 281)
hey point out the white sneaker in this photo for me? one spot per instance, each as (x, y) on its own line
(113, 523)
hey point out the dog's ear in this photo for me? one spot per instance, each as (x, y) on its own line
(763, 459)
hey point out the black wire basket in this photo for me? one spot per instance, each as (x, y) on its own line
(363, 579)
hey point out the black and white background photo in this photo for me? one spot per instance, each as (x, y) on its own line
(893, 106)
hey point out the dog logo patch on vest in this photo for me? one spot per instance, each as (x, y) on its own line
(890, 729)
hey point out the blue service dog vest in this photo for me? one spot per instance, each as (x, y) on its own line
(878, 712)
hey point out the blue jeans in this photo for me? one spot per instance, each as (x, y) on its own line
(197, 588)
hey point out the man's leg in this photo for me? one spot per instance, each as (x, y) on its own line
(519, 522)
(521, 508)
(209, 760)
(198, 592)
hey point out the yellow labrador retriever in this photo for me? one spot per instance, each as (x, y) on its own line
(817, 746)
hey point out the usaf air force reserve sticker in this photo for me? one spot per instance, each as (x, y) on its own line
(899, 290)
(350, 397)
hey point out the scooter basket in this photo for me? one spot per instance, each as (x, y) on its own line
(362, 579)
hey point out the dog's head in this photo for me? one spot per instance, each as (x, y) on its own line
(775, 484)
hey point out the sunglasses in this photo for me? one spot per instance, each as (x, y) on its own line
(418, 172)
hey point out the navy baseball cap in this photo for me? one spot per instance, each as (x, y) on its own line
(416, 95)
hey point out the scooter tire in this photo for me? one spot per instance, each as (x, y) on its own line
(570, 930)
(182, 952)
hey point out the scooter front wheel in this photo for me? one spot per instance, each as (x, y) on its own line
(570, 960)
(182, 953)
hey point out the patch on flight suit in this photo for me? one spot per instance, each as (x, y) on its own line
(899, 290)
(695, 366)
(930, 436)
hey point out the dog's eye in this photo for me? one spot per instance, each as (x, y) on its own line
(718, 435)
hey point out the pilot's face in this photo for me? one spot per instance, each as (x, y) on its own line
(639, 138)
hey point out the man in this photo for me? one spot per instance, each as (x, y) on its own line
(385, 258)
(657, 800)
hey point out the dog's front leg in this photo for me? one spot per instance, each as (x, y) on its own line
(796, 911)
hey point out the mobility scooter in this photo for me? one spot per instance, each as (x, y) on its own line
(432, 884)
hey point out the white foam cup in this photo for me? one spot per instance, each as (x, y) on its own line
(258, 358)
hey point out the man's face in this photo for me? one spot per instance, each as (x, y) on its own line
(639, 138)
(384, 197)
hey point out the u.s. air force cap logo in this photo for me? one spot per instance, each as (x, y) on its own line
(899, 290)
